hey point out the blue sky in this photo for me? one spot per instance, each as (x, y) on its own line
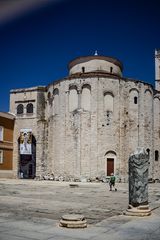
(36, 47)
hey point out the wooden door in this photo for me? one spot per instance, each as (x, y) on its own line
(110, 166)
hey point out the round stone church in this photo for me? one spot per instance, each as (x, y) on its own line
(87, 124)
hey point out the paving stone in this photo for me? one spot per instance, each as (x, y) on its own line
(10, 237)
(100, 208)
(29, 234)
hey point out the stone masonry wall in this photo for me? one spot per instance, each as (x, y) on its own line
(30, 121)
(81, 139)
(120, 115)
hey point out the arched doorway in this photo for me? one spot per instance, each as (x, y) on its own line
(27, 162)
(110, 162)
(110, 166)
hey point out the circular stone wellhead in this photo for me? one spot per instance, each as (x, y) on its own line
(73, 221)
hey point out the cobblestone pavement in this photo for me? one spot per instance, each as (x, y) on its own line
(32, 209)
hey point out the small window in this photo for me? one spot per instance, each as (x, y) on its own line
(1, 156)
(83, 69)
(156, 155)
(1, 133)
(111, 69)
(135, 100)
(20, 109)
(29, 108)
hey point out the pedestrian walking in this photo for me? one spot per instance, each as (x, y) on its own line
(112, 182)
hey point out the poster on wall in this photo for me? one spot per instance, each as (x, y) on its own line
(25, 141)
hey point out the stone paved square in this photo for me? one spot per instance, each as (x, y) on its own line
(32, 209)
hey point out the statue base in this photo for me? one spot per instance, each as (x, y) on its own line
(141, 211)
(73, 221)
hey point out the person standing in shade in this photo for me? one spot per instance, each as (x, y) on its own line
(112, 182)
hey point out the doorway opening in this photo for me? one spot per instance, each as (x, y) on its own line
(27, 162)
(110, 162)
(110, 166)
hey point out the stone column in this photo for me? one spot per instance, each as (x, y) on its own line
(138, 183)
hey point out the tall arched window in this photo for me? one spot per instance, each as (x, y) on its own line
(29, 108)
(20, 109)
(73, 98)
(86, 97)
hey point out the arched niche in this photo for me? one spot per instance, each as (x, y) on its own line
(73, 98)
(86, 97)
(133, 98)
(55, 101)
(108, 102)
(110, 162)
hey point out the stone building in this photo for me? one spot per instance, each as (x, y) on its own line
(6, 144)
(87, 124)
